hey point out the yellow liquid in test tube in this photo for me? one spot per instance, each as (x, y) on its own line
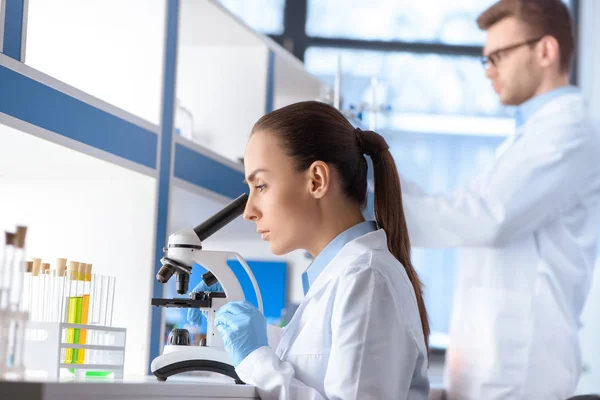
(71, 331)
(85, 275)
(77, 333)
(75, 301)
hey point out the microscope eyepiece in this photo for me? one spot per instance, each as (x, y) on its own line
(222, 218)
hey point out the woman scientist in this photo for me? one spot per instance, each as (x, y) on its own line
(361, 330)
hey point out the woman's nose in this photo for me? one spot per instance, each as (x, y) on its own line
(250, 212)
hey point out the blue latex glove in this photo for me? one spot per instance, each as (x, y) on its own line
(194, 316)
(243, 329)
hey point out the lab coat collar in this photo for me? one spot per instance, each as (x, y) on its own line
(525, 111)
(375, 240)
(335, 246)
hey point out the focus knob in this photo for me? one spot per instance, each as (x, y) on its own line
(179, 337)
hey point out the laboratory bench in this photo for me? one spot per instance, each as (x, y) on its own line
(176, 388)
(191, 385)
(129, 388)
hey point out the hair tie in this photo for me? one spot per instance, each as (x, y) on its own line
(370, 143)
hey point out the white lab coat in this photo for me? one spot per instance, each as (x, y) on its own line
(356, 335)
(533, 219)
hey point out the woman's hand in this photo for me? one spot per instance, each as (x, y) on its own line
(243, 329)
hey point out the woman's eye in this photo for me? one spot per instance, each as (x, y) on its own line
(261, 187)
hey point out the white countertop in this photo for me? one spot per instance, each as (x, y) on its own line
(199, 386)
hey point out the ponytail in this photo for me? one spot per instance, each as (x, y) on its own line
(389, 215)
(389, 212)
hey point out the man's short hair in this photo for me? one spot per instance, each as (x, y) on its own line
(542, 17)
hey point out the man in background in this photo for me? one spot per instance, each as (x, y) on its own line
(532, 219)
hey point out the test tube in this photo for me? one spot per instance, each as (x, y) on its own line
(50, 296)
(88, 309)
(71, 308)
(111, 300)
(18, 343)
(58, 295)
(26, 303)
(6, 268)
(101, 310)
(95, 316)
(85, 307)
(43, 291)
(62, 291)
(35, 289)
(104, 296)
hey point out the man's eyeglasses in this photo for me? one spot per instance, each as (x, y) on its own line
(495, 56)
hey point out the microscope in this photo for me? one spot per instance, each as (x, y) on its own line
(184, 249)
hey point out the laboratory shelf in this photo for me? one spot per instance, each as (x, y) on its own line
(47, 108)
(209, 23)
(204, 168)
(88, 176)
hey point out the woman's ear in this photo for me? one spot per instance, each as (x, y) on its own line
(319, 179)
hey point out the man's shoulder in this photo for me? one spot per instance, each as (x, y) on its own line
(563, 119)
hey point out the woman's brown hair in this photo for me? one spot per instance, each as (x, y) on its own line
(312, 131)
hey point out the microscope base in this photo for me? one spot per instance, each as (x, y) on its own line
(180, 359)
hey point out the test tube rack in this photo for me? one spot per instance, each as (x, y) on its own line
(12, 327)
(45, 342)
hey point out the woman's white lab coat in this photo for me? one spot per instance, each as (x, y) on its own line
(356, 335)
(533, 221)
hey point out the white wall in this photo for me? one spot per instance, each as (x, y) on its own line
(589, 64)
(84, 209)
(292, 83)
(111, 49)
(225, 90)
(221, 76)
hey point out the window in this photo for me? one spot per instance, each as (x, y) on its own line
(449, 22)
(419, 91)
(409, 82)
(264, 16)
(431, 21)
